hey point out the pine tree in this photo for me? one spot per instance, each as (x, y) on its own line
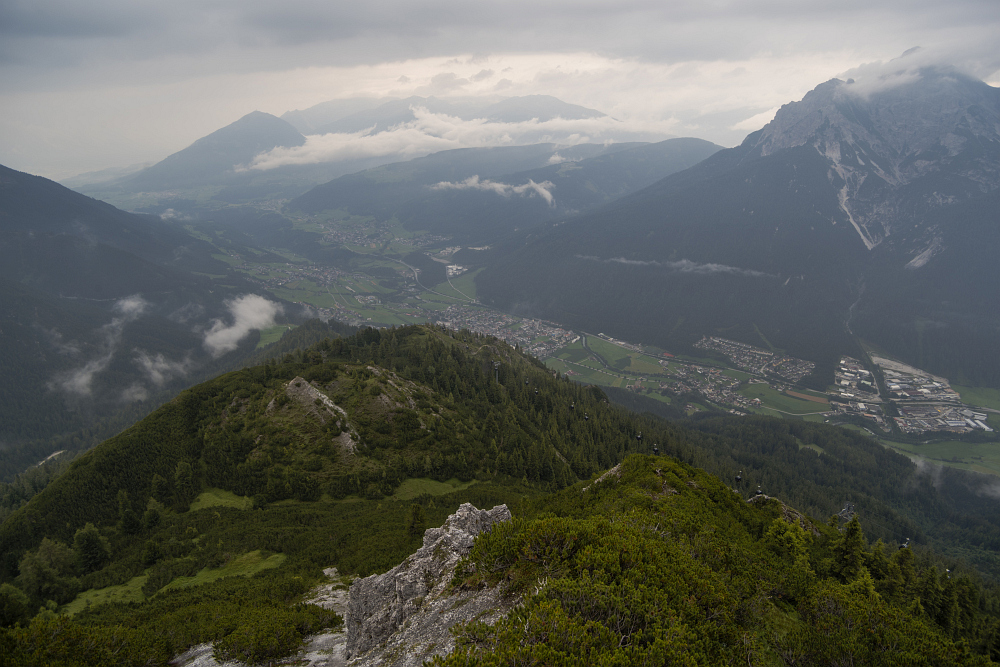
(849, 553)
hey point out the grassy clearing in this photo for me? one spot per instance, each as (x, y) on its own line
(778, 401)
(273, 334)
(127, 592)
(220, 498)
(983, 397)
(246, 565)
(418, 486)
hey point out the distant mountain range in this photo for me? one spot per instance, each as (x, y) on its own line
(510, 110)
(477, 195)
(215, 170)
(868, 208)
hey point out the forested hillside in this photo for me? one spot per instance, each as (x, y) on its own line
(659, 563)
(212, 517)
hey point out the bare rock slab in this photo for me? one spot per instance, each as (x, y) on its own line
(404, 617)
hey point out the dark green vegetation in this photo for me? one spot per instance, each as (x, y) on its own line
(281, 495)
(591, 175)
(659, 563)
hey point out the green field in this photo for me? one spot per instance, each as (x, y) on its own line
(776, 400)
(978, 456)
(644, 365)
(616, 356)
(466, 283)
(624, 360)
(983, 397)
(584, 374)
(446, 288)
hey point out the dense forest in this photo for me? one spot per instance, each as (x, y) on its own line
(659, 563)
(282, 469)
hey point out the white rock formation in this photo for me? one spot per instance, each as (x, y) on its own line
(403, 617)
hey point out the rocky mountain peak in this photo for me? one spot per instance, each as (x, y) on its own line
(930, 127)
(906, 112)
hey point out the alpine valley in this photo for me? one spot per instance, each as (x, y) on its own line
(273, 403)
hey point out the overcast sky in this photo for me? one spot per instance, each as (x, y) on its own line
(108, 83)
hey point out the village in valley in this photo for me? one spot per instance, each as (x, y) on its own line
(383, 290)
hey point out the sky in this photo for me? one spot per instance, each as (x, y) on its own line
(86, 86)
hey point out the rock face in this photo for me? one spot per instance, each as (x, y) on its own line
(403, 617)
(901, 141)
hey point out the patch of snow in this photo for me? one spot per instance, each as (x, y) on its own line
(925, 256)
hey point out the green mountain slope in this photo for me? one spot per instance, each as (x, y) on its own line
(236, 494)
(659, 563)
(214, 157)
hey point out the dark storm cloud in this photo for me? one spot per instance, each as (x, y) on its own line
(108, 83)
(252, 34)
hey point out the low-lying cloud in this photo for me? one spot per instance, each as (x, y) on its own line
(133, 393)
(543, 189)
(878, 77)
(79, 381)
(159, 369)
(171, 214)
(249, 312)
(682, 266)
(756, 121)
(432, 132)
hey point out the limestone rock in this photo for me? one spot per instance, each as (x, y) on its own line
(403, 617)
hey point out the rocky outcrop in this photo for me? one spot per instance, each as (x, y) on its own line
(400, 618)
(322, 408)
(403, 617)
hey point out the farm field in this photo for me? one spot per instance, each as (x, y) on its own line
(776, 400)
